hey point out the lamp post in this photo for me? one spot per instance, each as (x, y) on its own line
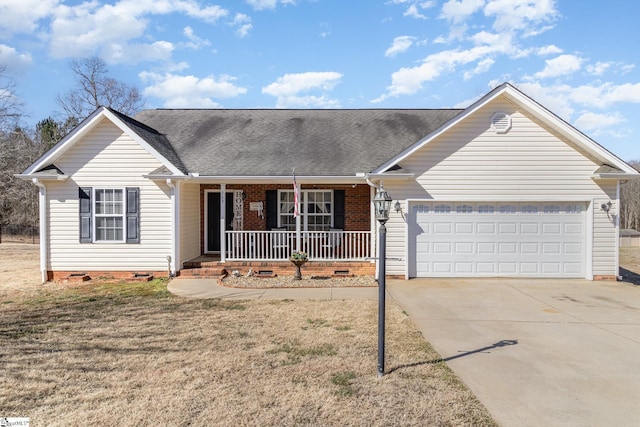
(382, 206)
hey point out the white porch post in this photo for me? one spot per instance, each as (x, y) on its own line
(175, 225)
(223, 219)
(42, 205)
(298, 230)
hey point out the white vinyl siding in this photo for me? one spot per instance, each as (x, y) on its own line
(107, 158)
(189, 222)
(472, 163)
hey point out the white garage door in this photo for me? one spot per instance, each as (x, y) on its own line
(497, 239)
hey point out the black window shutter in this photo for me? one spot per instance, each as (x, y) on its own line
(133, 215)
(84, 199)
(338, 209)
(271, 209)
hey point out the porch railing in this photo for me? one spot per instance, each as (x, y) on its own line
(278, 245)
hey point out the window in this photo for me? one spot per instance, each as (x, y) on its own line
(486, 209)
(442, 209)
(551, 209)
(316, 210)
(508, 209)
(464, 209)
(529, 209)
(109, 215)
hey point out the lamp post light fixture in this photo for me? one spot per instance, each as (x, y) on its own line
(382, 206)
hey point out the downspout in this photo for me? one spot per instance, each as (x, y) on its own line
(175, 253)
(42, 205)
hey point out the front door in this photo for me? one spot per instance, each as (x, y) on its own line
(213, 219)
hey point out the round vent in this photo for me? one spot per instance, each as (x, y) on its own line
(501, 122)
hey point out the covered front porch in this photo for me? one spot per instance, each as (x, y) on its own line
(252, 226)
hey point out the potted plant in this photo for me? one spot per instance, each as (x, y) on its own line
(298, 259)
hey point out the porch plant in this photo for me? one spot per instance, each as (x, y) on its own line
(298, 259)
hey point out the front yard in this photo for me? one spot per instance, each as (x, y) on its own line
(133, 354)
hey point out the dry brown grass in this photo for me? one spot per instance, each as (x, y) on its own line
(132, 354)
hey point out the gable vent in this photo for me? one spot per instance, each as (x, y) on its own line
(501, 122)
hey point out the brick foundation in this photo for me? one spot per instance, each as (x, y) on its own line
(284, 268)
(605, 277)
(82, 276)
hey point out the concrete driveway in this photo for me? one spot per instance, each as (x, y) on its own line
(536, 352)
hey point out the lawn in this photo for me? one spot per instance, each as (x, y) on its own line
(133, 354)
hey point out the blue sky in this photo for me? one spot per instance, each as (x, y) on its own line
(577, 58)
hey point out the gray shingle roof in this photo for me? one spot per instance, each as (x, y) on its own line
(158, 141)
(272, 142)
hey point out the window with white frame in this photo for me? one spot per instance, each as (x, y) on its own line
(109, 215)
(316, 210)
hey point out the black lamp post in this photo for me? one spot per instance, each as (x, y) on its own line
(382, 206)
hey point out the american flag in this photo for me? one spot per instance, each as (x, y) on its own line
(296, 197)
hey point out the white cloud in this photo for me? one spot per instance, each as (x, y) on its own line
(482, 67)
(309, 101)
(560, 66)
(458, 11)
(15, 62)
(190, 91)
(529, 16)
(414, 7)
(108, 30)
(195, 42)
(288, 89)
(399, 45)
(548, 50)
(243, 24)
(596, 122)
(268, 4)
(23, 16)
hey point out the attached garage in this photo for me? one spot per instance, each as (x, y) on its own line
(497, 239)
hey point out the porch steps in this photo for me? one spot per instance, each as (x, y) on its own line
(215, 269)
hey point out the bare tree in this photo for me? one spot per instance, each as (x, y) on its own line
(95, 88)
(10, 104)
(630, 202)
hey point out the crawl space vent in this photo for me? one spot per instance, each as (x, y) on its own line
(501, 122)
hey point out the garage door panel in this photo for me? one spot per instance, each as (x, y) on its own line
(492, 239)
(554, 228)
(463, 248)
(508, 228)
(463, 267)
(531, 248)
(464, 228)
(486, 228)
(442, 227)
(507, 248)
(529, 228)
(529, 268)
(486, 248)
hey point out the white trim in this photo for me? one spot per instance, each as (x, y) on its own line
(123, 215)
(304, 215)
(44, 244)
(590, 237)
(223, 222)
(175, 228)
(267, 179)
(531, 106)
(617, 216)
(83, 129)
(505, 198)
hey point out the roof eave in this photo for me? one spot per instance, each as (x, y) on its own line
(262, 179)
(48, 177)
(616, 176)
